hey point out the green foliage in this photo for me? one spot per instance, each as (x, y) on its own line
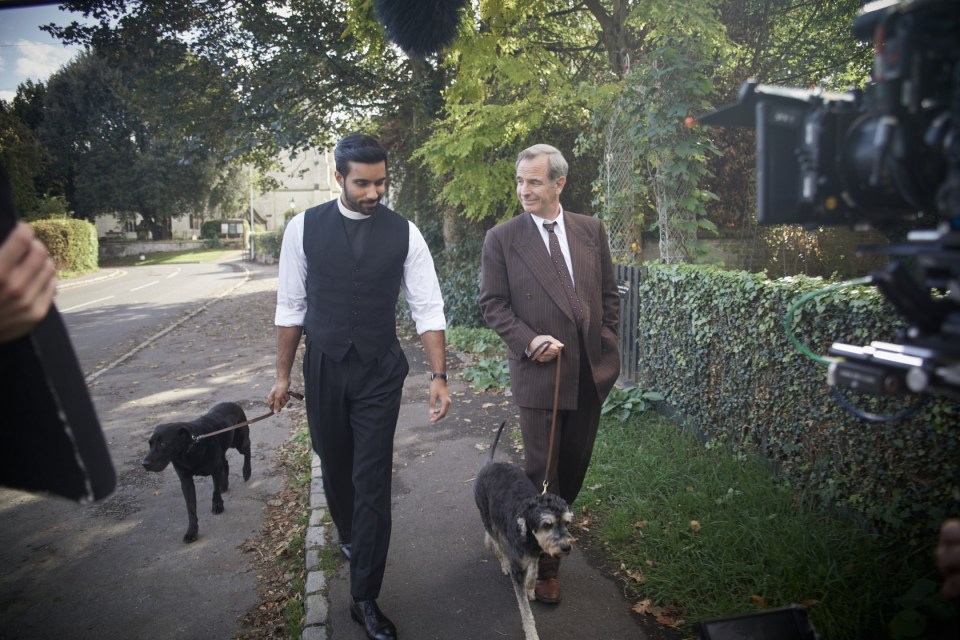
(488, 373)
(474, 341)
(458, 269)
(664, 162)
(713, 343)
(627, 403)
(268, 244)
(72, 244)
(515, 83)
(708, 533)
(490, 370)
(22, 157)
(110, 158)
(805, 44)
(50, 207)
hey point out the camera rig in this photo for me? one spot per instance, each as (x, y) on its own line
(887, 153)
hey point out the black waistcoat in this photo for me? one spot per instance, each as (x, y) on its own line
(352, 302)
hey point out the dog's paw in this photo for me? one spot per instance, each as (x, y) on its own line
(190, 535)
(217, 508)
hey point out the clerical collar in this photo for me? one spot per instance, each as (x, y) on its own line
(353, 215)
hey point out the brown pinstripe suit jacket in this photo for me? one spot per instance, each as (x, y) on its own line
(521, 297)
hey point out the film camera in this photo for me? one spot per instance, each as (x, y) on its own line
(887, 153)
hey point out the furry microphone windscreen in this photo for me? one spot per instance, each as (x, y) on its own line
(420, 27)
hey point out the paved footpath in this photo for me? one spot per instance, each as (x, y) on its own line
(441, 583)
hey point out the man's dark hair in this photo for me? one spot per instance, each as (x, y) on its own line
(357, 147)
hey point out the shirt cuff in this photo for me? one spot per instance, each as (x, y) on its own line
(433, 322)
(289, 318)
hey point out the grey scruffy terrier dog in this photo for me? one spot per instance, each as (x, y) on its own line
(520, 523)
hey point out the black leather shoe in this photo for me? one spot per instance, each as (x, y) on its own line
(345, 551)
(377, 625)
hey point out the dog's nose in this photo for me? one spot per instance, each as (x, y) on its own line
(565, 548)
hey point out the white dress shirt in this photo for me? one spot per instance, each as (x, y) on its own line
(419, 283)
(561, 232)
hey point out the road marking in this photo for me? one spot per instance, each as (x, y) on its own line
(175, 273)
(85, 304)
(144, 286)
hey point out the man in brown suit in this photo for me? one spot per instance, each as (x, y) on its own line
(542, 302)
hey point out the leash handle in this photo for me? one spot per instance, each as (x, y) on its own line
(292, 394)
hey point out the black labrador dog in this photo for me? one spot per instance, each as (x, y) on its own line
(175, 442)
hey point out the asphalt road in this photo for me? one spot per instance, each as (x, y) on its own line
(118, 309)
(118, 568)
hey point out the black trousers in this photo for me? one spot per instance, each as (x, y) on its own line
(352, 410)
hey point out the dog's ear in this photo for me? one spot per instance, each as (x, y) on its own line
(522, 527)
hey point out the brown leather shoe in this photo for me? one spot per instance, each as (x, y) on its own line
(548, 581)
(548, 590)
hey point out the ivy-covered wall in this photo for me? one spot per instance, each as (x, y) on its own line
(713, 343)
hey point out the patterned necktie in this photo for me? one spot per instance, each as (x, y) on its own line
(561, 265)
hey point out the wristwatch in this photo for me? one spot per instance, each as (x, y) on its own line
(434, 376)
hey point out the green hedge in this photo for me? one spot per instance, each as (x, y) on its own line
(458, 269)
(268, 243)
(72, 244)
(713, 343)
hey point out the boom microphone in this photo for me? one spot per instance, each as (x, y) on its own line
(420, 27)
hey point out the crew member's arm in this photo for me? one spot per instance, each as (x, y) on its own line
(27, 283)
(422, 290)
(291, 309)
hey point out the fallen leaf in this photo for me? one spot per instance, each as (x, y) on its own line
(695, 526)
(759, 601)
(643, 607)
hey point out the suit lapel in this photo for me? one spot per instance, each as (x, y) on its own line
(582, 250)
(530, 248)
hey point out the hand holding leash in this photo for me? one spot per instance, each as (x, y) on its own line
(292, 394)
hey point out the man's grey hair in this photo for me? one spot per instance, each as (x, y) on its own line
(556, 164)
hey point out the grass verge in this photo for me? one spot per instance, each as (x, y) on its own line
(700, 533)
(171, 257)
(277, 552)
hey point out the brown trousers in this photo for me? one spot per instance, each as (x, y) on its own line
(576, 432)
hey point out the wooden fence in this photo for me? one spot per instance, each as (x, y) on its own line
(628, 281)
